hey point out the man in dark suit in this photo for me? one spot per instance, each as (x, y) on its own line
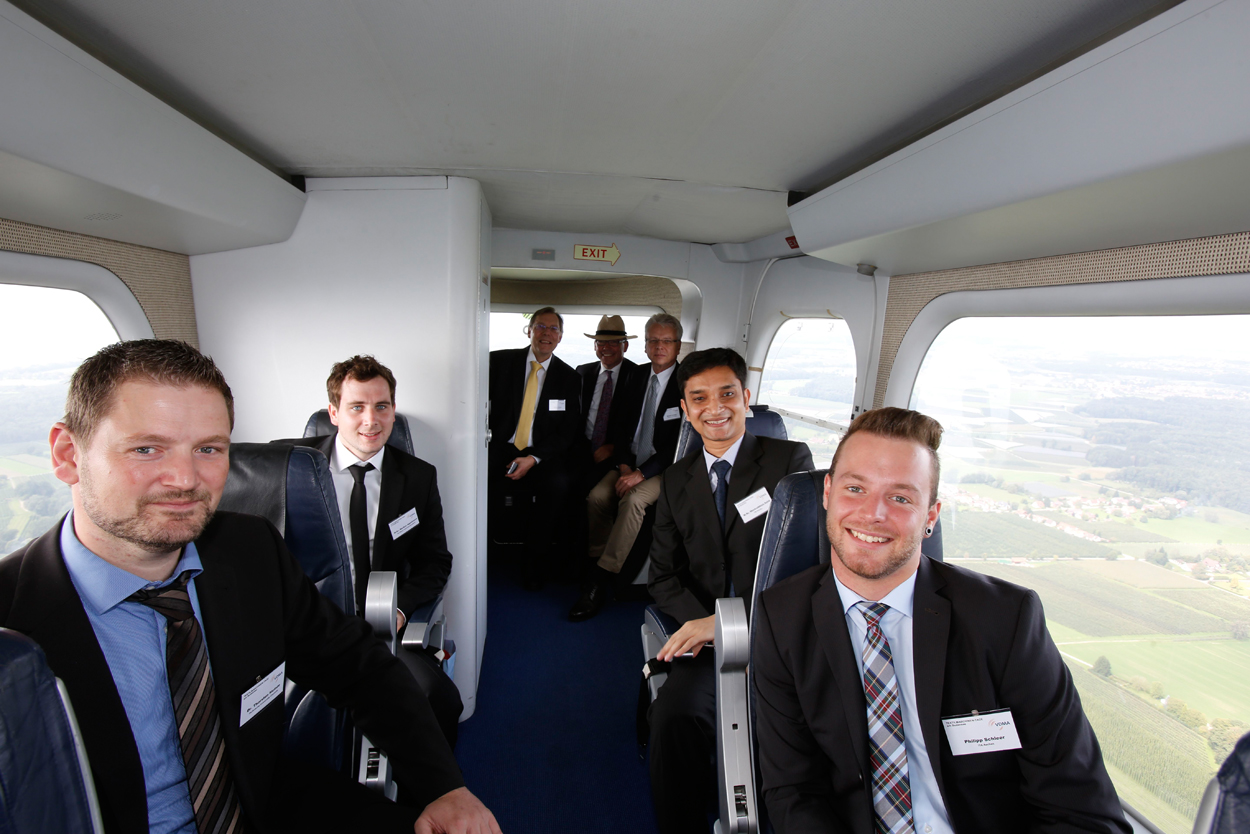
(603, 384)
(535, 420)
(392, 505)
(897, 693)
(708, 525)
(644, 441)
(174, 629)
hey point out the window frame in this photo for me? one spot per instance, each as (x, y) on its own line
(803, 418)
(102, 287)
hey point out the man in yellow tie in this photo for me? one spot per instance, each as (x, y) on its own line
(535, 415)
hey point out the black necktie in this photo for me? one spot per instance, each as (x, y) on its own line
(721, 491)
(194, 698)
(358, 513)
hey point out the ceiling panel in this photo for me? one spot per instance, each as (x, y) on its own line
(573, 112)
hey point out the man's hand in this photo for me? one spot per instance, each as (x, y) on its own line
(604, 452)
(523, 465)
(691, 637)
(627, 482)
(457, 812)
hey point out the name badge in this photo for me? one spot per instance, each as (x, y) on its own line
(555, 405)
(982, 732)
(754, 505)
(672, 413)
(404, 523)
(259, 696)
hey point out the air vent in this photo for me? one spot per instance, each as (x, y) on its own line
(103, 216)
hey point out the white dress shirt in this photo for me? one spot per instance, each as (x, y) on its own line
(525, 377)
(604, 373)
(341, 458)
(928, 810)
(663, 377)
(731, 455)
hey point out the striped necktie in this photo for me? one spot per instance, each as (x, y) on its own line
(891, 788)
(194, 697)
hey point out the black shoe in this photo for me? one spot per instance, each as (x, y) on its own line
(590, 603)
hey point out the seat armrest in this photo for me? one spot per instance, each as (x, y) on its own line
(734, 757)
(381, 601)
(425, 626)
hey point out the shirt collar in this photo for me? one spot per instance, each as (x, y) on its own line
(605, 369)
(103, 586)
(343, 457)
(900, 599)
(530, 357)
(664, 376)
(731, 454)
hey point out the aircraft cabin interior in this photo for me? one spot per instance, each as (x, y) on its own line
(1029, 221)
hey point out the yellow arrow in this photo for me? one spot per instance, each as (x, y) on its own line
(611, 254)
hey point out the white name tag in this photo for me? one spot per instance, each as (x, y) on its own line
(754, 505)
(259, 696)
(555, 405)
(404, 523)
(982, 733)
(672, 413)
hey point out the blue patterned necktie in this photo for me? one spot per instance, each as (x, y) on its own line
(891, 788)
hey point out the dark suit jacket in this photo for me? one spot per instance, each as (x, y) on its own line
(688, 550)
(665, 432)
(589, 374)
(259, 610)
(979, 643)
(420, 556)
(554, 432)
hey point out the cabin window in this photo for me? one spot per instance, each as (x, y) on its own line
(1105, 463)
(809, 377)
(37, 357)
(507, 330)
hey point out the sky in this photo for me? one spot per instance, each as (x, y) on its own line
(42, 326)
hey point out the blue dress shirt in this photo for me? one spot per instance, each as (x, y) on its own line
(928, 809)
(132, 637)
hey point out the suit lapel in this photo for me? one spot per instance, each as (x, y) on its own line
(518, 374)
(699, 488)
(388, 509)
(835, 640)
(51, 613)
(742, 478)
(931, 623)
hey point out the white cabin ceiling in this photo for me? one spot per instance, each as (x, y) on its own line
(685, 121)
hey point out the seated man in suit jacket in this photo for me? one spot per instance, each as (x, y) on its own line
(643, 445)
(388, 500)
(535, 420)
(603, 384)
(174, 628)
(705, 544)
(897, 693)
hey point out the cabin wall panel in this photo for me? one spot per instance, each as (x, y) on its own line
(386, 271)
(908, 294)
(159, 280)
(720, 321)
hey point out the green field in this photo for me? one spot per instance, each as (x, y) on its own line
(1143, 575)
(11, 466)
(976, 535)
(1116, 531)
(1211, 676)
(1211, 600)
(1098, 606)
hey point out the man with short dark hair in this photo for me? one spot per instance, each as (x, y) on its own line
(535, 417)
(162, 619)
(391, 511)
(708, 525)
(901, 694)
(644, 441)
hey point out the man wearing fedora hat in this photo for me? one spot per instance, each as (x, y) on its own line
(644, 441)
(602, 381)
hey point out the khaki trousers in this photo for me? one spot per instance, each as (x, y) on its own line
(614, 523)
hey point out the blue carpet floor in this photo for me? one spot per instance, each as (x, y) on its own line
(551, 747)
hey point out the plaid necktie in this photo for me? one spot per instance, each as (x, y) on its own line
(891, 788)
(209, 782)
(599, 433)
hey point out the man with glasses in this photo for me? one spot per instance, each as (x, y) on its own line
(603, 384)
(643, 447)
(535, 411)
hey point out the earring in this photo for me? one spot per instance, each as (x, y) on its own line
(928, 531)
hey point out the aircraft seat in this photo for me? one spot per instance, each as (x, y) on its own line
(1225, 806)
(291, 486)
(319, 425)
(45, 779)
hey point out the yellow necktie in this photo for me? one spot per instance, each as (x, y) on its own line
(527, 408)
